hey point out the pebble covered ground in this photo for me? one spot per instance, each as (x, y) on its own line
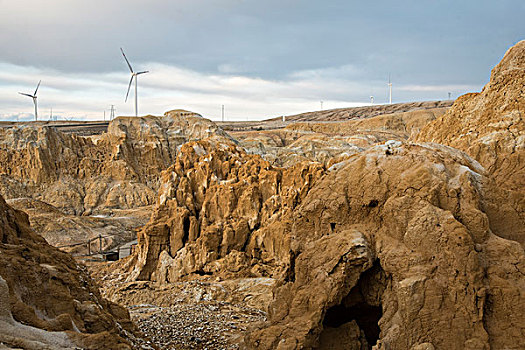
(202, 326)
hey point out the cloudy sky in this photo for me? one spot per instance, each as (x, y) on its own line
(259, 58)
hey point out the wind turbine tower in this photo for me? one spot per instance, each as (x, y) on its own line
(133, 76)
(389, 90)
(371, 99)
(112, 112)
(33, 96)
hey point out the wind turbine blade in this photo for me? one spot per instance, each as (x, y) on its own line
(37, 86)
(21, 93)
(146, 71)
(129, 65)
(129, 87)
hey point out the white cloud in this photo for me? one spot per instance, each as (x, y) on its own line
(87, 95)
(164, 88)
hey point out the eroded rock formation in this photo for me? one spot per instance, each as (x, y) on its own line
(397, 232)
(47, 301)
(61, 179)
(80, 175)
(394, 246)
(330, 142)
(366, 239)
(214, 203)
(415, 212)
(490, 126)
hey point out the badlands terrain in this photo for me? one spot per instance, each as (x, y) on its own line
(386, 227)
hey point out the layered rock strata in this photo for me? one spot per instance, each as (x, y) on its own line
(47, 300)
(364, 112)
(215, 202)
(490, 127)
(81, 175)
(398, 235)
(329, 142)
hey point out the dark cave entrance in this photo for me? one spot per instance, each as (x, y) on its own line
(186, 230)
(366, 317)
(354, 324)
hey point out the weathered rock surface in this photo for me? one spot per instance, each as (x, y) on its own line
(368, 240)
(393, 247)
(396, 232)
(71, 233)
(77, 188)
(411, 215)
(402, 124)
(47, 301)
(329, 142)
(364, 112)
(80, 175)
(490, 126)
(212, 203)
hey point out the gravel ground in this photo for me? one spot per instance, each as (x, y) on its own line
(206, 325)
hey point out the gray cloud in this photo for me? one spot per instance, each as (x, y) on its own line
(288, 49)
(167, 87)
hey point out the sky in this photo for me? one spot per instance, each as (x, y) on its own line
(259, 59)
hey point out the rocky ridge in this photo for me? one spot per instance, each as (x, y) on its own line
(82, 175)
(391, 247)
(47, 300)
(68, 182)
(214, 203)
(329, 142)
(340, 114)
(490, 127)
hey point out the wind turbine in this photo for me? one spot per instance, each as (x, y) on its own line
(133, 75)
(389, 90)
(33, 96)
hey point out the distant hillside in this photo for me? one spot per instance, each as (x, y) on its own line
(364, 112)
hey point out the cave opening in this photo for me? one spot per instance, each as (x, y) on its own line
(186, 229)
(354, 323)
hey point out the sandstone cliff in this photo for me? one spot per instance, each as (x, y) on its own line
(62, 179)
(47, 301)
(397, 233)
(212, 202)
(118, 169)
(395, 246)
(490, 126)
(329, 142)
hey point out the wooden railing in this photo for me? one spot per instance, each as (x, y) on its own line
(100, 251)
